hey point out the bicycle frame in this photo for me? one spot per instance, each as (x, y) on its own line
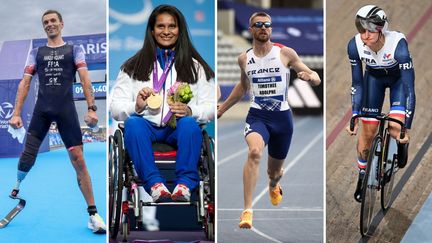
(383, 121)
(375, 177)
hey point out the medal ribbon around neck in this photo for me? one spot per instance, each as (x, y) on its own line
(158, 83)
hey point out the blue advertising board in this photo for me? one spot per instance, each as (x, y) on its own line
(300, 29)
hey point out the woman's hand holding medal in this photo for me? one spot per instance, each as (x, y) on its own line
(141, 101)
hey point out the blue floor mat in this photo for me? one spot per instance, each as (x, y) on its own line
(56, 210)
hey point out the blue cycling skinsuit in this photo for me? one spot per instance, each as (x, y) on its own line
(390, 67)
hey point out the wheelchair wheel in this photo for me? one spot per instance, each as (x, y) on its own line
(209, 225)
(388, 179)
(370, 187)
(116, 156)
(125, 228)
(208, 148)
(209, 164)
(110, 174)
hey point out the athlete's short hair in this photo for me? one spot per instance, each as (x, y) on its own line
(256, 14)
(50, 11)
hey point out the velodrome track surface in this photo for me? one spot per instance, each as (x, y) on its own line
(56, 210)
(299, 217)
(414, 183)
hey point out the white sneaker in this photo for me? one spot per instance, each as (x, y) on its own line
(159, 192)
(96, 224)
(181, 193)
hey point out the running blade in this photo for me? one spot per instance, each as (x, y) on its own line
(13, 213)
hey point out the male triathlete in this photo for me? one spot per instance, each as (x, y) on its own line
(265, 71)
(56, 65)
(388, 65)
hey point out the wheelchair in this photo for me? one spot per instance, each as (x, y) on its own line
(124, 199)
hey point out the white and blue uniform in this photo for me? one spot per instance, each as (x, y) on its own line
(269, 114)
(269, 79)
(390, 67)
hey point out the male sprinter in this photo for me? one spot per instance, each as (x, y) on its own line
(265, 70)
(56, 65)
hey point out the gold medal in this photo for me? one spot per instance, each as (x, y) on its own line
(154, 102)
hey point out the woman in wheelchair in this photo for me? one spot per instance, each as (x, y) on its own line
(143, 98)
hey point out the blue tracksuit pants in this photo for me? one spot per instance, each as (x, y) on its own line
(139, 136)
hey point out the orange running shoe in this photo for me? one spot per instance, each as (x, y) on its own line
(246, 219)
(276, 195)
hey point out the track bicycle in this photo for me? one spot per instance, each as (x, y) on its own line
(380, 171)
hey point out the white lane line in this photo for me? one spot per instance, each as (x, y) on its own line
(234, 155)
(296, 159)
(229, 135)
(290, 165)
(265, 236)
(284, 209)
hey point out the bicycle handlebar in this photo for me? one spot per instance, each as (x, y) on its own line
(382, 117)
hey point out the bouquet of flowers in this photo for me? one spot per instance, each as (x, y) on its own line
(179, 92)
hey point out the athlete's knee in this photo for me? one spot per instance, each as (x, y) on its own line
(188, 125)
(274, 175)
(255, 154)
(28, 156)
(77, 158)
(187, 121)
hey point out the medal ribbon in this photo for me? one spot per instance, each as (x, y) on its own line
(158, 83)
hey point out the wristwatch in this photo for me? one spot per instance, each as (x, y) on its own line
(92, 107)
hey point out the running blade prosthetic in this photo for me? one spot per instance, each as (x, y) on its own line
(13, 213)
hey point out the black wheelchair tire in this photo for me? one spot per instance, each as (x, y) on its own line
(117, 200)
(209, 150)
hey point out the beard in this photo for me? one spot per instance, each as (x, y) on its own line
(262, 37)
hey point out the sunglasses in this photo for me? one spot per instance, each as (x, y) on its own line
(260, 24)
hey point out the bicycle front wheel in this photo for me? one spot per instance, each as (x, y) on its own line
(370, 187)
(388, 178)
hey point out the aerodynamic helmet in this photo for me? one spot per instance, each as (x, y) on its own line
(371, 18)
